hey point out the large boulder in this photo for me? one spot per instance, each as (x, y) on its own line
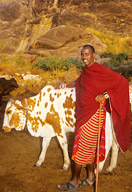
(65, 41)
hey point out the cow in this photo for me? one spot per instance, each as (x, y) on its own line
(6, 86)
(52, 113)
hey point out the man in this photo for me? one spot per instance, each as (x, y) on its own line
(95, 85)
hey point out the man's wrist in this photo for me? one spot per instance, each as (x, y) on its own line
(62, 86)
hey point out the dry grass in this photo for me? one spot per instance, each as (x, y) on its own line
(16, 66)
(115, 43)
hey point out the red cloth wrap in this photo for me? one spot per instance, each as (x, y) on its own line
(95, 80)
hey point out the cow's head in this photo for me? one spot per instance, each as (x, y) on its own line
(15, 115)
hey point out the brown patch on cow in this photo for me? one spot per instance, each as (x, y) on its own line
(15, 119)
(23, 103)
(53, 119)
(69, 102)
(40, 96)
(31, 104)
(66, 124)
(62, 120)
(69, 112)
(39, 100)
(39, 112)
(51, 98)
(72, 90)
(65, 92)
(54, 93)
(68, 105)
(44, 94)
(35, 122)
(49, 89)
(58, 95)
(46, 104)
(69, 120)
(38, 103)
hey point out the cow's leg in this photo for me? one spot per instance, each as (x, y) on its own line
(114, 155)
(64, 146)
(45, 144)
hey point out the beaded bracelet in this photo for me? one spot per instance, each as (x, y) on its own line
(62, 86)
(106, 95)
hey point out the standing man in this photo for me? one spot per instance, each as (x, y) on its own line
(95, 85)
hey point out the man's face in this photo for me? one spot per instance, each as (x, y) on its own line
(87, 56)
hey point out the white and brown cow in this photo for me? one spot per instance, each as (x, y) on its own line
(48, 114)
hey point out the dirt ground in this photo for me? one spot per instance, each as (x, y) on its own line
(19, 152)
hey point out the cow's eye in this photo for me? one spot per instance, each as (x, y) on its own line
(8, 112)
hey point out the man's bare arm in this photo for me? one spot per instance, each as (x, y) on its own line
(71, 84)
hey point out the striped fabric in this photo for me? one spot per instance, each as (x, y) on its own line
(85, 144)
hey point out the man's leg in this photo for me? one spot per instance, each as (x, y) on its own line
(74, 183)
(90, 174)
(76, 173)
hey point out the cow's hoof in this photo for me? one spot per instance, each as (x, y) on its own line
(109, 169)
(36, 165)
(65, 167)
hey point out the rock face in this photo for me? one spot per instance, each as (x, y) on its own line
(13, 15)
(39, 27)
(63, 41)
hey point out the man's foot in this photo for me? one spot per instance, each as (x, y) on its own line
(69, 186)
(88, 182)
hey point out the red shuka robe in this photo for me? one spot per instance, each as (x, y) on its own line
(95, 80)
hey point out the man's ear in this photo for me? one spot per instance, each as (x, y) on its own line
(94, 55)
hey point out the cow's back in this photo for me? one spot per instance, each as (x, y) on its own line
(52, 112)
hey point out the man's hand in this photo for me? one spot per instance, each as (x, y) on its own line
(100, 98)
(57, 86)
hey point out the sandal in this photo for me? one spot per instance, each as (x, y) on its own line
(86, 183)
(69, 187)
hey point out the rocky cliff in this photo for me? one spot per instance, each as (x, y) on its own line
(40, 27)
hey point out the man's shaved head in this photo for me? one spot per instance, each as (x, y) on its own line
(90, 47)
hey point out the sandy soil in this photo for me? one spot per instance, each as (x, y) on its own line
(19, 152)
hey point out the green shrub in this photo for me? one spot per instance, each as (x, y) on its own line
(122, 56)
(106, 55)
(77, 63)
(118, 59)
(125, 71)
(51, 63)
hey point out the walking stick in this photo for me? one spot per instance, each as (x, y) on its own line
(97, 168)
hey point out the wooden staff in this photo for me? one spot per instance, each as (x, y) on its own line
(97, 168)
